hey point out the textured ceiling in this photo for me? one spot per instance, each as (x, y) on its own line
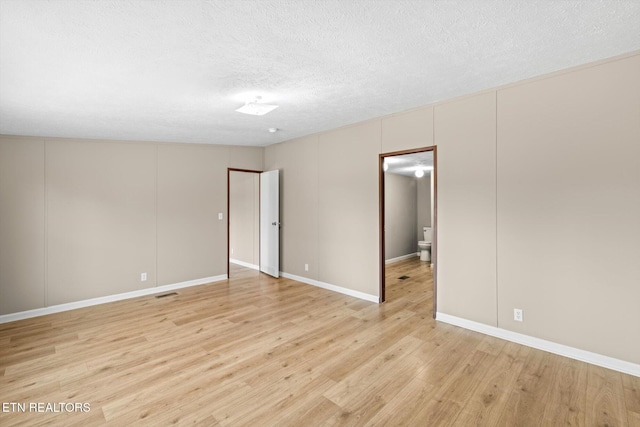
(177, 70)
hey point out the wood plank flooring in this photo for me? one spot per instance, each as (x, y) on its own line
(255, 351)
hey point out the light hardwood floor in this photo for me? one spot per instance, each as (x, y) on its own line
(257, 351)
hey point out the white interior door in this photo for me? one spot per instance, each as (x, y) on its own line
(270, 223)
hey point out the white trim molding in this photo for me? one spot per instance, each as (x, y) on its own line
(244, 264)
(552, 347)
(11, 317)
(334, 288)
(401, 258)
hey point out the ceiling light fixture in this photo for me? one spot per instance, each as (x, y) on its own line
(273, 130)
(255, 108)
(419, 173)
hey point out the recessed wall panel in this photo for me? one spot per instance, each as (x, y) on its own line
(348, 223)
(22, 220)
(408, 130)
(192, 191)
(299, 239)
(246, 157)
(568, 208)
(466, 207)
(101, 223)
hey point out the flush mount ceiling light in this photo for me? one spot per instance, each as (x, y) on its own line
(421, 170)
(255, 108)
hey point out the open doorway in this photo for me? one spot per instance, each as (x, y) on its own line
(253, 220)
(243, 219)
(408, 219)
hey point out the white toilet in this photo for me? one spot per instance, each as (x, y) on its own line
(425, 245)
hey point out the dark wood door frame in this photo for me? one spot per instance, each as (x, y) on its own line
(434, 244)
(229, 170)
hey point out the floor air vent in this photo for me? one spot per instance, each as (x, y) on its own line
(167, 295)
(403, 277)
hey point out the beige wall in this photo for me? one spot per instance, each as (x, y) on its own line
(466, 138)
(244, 219)
(400, 215)
(537, 204)
(22, 224)
(348, 252)
(404, 131)
(424, 204)
(83, 218)
(329, 197)
(328, 191)
(192, 191)
(569, 208)
(297, 161)
(250, 158)
(101, 231)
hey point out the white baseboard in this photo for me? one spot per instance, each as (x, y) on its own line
(401, 258)
(244, 264)
(339, 289)
(540, 344)
(11, 317)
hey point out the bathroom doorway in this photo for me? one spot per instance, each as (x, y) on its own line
(407, 185)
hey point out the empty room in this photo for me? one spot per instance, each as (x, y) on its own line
(319, 213)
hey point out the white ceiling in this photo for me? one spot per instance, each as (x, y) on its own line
(177, 70)
(407, 164)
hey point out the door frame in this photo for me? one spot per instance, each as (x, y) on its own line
(434, 243)
(229, 170)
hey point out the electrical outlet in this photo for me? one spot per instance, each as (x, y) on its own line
(220, 215)
(517, 315)
(143, 277)
(306, 267)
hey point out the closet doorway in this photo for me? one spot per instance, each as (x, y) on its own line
(243, 219)
(253, 220)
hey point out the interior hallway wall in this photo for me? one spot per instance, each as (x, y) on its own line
(400, 215)
(244, 218)
(424, 204)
